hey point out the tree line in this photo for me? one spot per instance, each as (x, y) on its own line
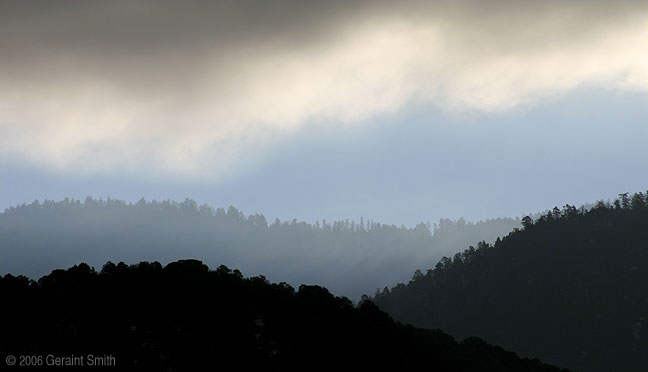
(569, 287)
(184, 316)
(349, 257)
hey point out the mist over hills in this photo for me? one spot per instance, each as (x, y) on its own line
(348, 257)
(569, 288)
(370, 114)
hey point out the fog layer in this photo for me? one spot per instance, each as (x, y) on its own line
(349, 257)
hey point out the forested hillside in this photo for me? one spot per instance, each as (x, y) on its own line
(184, 317)
(570, 288)
(349, 257)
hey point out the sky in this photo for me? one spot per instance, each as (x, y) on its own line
(398, 111)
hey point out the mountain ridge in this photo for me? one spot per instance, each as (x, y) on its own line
(569, 287)
(184, 316)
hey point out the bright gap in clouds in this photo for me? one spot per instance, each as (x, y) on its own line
(199, 104)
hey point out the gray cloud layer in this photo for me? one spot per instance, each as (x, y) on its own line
(185, 87)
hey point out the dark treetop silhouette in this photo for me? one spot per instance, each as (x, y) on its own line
(188, 318)
(570, 288)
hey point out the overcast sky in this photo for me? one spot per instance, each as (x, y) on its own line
(400, 111)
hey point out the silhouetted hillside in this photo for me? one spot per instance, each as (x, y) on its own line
(570, 288)
(348, 257)
(184, 317)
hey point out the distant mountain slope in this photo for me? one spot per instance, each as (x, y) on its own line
(350, 258)
(570, 288)
(184, 317)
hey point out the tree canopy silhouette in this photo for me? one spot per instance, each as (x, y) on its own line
(186, 317)
(569, 288)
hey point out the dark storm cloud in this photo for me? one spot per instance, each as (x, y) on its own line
(185, 85)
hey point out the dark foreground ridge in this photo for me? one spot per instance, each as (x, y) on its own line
(570, 288)
(184, 317)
